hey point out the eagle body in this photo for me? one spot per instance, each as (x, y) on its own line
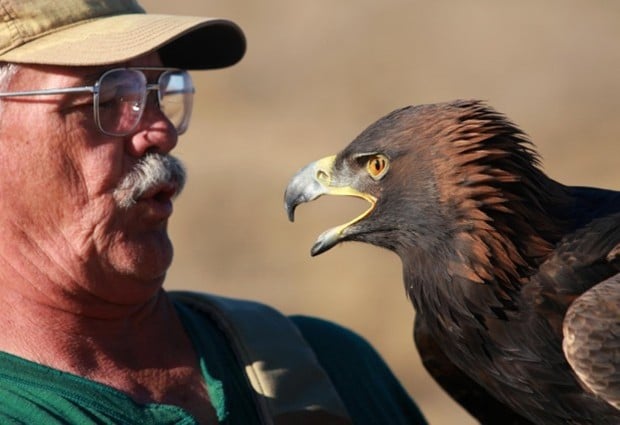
(514, 277)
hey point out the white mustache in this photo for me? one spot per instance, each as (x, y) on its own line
(150, 171)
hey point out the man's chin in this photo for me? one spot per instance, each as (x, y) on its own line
(147, 257)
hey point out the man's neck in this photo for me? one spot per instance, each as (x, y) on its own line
(74, 339)
(145, 354)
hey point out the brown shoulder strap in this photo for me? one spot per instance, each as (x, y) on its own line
(289, 384)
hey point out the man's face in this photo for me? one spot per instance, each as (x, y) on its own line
(58, 177)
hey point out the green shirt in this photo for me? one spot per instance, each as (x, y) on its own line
(31, 393)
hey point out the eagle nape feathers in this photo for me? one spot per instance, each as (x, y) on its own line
(515, 278)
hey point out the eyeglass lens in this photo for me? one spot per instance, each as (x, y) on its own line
(122, 98)
(176, 98)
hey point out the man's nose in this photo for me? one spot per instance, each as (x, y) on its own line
(155, 133)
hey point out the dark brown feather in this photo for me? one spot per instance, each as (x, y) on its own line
(495, 316)
(494, 252)
(471, 395)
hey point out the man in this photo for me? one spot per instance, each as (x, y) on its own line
(92, 98)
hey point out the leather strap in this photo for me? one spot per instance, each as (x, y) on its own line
(290, 386)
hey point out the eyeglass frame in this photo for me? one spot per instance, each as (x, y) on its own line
(94, 89)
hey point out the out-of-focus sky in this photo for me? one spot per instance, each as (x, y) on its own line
(315, 75)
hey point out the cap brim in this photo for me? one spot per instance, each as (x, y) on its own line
(183, 41)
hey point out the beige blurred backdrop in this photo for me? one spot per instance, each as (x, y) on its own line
(317, 73)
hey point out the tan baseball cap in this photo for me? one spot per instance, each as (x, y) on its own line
(103, 32)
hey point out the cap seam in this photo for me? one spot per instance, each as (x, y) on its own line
(61, 28)
(14, 31)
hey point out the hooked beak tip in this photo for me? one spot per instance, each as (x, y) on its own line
(290, 211)
(318, 248)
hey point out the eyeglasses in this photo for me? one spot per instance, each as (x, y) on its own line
(120, 97)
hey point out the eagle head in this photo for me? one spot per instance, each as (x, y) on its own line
(455, 181)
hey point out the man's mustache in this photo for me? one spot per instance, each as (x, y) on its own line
(150, 171)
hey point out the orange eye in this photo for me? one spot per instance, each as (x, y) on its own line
(377, 166)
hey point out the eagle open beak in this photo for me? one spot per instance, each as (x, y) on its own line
(311, 182)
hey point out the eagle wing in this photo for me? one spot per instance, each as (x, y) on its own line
(592, 339)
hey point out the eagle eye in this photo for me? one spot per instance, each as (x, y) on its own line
(377, 165)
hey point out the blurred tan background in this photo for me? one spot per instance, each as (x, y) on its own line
(316, 74)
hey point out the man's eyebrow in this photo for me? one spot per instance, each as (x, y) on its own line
(91, 78)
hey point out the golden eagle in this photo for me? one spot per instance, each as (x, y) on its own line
(514, 277)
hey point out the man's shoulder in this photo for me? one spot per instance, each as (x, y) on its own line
(275, 356)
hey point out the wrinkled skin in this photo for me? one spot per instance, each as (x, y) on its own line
(81, 275)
